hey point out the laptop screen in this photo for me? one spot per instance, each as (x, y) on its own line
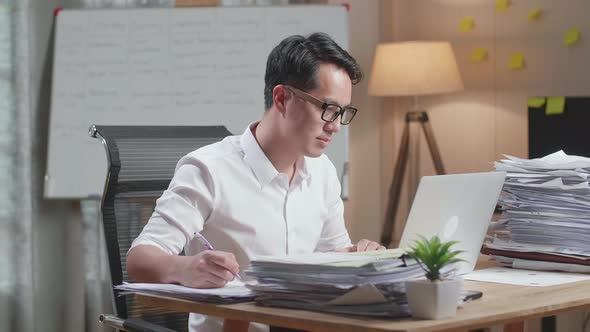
(455, 207)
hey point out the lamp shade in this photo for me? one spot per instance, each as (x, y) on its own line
(414, 68)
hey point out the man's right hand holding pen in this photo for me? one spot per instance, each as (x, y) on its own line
(208, 269)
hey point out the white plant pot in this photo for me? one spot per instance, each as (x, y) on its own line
(434, 300)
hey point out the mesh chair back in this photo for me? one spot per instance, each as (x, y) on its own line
(142, 160)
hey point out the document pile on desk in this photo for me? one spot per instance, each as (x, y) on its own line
(233, 292)
(363, 283)
(545, 223)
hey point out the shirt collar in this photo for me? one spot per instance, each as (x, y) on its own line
(302, 170)
(261, 166)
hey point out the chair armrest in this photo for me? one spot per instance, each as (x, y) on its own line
(131, 324)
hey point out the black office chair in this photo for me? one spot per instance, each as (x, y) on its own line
(141, 163)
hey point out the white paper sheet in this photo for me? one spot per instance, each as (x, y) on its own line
(549, 266)
(335, 258)
(233, 289)
(500, 244)
(503, 275)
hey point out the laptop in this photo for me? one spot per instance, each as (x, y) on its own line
(456, 207)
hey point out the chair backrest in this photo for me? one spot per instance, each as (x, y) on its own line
(141, 162)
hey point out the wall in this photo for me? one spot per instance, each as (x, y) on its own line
(363, 209)
(58, 268)
(476, 126)
(492, 111)
(55, 222)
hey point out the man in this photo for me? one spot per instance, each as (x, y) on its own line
(269, 191)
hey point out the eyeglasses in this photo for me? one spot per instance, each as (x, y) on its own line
(331, 112)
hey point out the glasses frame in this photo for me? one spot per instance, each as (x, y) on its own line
(324, 106)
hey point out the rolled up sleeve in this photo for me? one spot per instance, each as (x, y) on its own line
(182, 209)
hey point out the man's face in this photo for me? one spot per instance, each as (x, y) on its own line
(308, 133)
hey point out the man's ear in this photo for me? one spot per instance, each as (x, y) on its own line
(280, 95)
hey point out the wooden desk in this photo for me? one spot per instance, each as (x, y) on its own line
(501, 304)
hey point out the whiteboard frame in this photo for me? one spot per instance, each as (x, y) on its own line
(79, 171)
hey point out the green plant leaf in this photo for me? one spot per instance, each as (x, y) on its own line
(433, 254)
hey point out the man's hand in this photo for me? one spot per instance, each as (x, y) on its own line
(363, 245)
(208, 269)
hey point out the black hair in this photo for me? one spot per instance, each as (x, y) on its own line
(296, 59)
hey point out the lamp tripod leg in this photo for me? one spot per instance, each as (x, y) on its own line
(396, 187)
(432, 146)
(389, 225)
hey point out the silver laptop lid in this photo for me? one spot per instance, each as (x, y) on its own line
(455, 207)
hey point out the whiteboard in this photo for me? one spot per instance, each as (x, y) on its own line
(165, 66)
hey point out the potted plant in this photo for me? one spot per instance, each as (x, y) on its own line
(434, 297)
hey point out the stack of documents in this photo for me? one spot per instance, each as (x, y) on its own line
(546, 213)
(233, 292)
(364, 283)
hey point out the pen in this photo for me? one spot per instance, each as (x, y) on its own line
(208, 245)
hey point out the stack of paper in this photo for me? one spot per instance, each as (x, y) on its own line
(546, 212)
(366, 283)
(233, 292)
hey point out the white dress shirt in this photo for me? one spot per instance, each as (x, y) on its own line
(232, 194)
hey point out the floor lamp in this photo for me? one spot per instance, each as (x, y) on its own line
(412, 69)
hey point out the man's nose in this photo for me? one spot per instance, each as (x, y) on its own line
(333, 126)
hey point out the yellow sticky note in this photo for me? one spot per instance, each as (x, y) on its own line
(466, 24)
(535, 14)
(555, 105)
(502, 5)
(571, 37)
(479, 54)
(535, 102)
(516, 61)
